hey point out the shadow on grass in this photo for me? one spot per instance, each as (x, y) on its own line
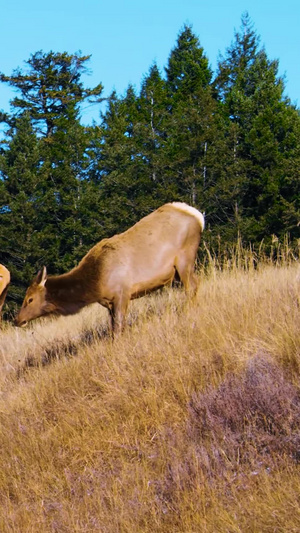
(60, 349)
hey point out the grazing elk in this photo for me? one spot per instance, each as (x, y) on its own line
(4, 282)
(121, 268)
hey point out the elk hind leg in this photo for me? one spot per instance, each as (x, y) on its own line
(185, 269)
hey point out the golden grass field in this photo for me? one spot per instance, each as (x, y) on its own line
(188, 422)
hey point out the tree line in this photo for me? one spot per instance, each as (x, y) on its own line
(226, 142)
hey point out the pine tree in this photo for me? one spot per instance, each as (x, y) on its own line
(21, 187)
(51, 95)
(191, 133)
(65, 232)
(51, 88)
(152, 132)
(116, 163)
(188, 69)
(257, 112)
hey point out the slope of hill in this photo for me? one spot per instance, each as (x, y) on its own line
(187, 422)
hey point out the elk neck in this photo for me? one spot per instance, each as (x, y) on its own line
(68, 292)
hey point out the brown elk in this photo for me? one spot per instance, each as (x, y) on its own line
(116, 270)
(4, 282)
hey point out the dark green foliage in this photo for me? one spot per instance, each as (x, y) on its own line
(21, 190)
(51, 88)
(152, 134)
(263, 135)
(191, 118)
(188, 69)
(228, 145)
(119, 164)
(44, 168)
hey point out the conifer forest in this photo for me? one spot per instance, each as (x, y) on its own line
(226, 142)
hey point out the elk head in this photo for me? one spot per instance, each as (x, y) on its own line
(35, 302)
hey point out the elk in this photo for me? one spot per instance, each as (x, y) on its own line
(4, 282)
(126, 266)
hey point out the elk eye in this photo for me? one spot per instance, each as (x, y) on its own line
(30, 300)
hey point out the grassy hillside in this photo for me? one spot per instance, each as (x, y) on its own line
(188, 422)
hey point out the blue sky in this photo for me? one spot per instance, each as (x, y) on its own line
(125, 37)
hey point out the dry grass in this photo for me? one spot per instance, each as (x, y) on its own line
(188, 422)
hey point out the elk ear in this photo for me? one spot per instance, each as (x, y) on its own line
(41, 277)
